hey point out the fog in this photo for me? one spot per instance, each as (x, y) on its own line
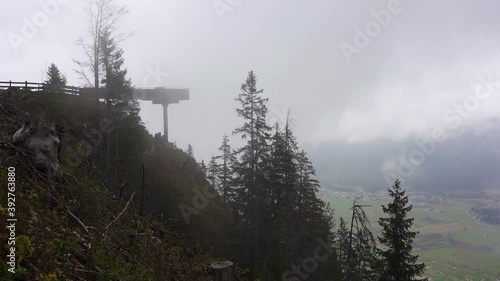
(372, 77)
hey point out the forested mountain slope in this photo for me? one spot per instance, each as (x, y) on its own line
(85, 224)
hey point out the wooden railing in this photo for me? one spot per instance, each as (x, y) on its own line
(157, 95)
(31, 86)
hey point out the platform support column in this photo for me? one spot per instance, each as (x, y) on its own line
(165, 121)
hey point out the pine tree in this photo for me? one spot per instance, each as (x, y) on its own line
(118, 86)
(277, 175)
(309, 207)
(55, 80)
(313, 215)
(298, 217)
(122, 111)
(308, 185)
(213, 172)
(272, 192)
(225, 178)
(203, 167)
(283, 194)
(342, 247)
(397, 262)
(251, 183)
(190, 151)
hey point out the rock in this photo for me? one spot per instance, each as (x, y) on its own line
(43, 139)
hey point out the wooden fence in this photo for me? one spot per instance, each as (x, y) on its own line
(35, 87)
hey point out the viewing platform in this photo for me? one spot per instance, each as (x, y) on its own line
(158, 95)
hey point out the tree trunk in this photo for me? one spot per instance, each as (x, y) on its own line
(223, 271)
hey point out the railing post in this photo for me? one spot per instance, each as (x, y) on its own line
(10, 83)
(25, 85)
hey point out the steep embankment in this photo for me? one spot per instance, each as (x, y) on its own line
(87, 225)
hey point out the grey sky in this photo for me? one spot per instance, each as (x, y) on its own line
(429, 57)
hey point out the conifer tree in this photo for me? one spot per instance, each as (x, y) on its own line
(273, 194)
(342, 247)
(251, 183)
(309, 207)
(299, 217)
(190, 151)
(203, 167)
(277, 174)
(396, 261)
(122, 111)
(308, 185)
(283, 193)
(55, 79)
(225, 178)
(213, 172)
(118, 86)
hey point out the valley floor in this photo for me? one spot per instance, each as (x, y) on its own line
(452, 242)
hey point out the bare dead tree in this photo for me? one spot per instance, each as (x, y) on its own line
(103, 17)
(361, 244)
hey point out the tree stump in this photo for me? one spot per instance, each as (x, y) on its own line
(223, 271)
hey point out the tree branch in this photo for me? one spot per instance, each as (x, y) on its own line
(123, 211)
(79, 221)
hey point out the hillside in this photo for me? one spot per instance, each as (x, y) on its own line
(84, 226)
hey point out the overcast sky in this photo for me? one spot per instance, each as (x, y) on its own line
(402, 76)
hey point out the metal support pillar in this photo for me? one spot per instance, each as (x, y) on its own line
(165, 121)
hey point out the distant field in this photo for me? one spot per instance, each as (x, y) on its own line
(453, 245)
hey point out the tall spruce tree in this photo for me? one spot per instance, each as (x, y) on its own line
(396, 261)
(118, 86)
(273, 195)
(308, 185)
(251, 183)
(299, 217)
(283, 193)
(122, 111)
(56, 81)
(311, 210)
(314, 218)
